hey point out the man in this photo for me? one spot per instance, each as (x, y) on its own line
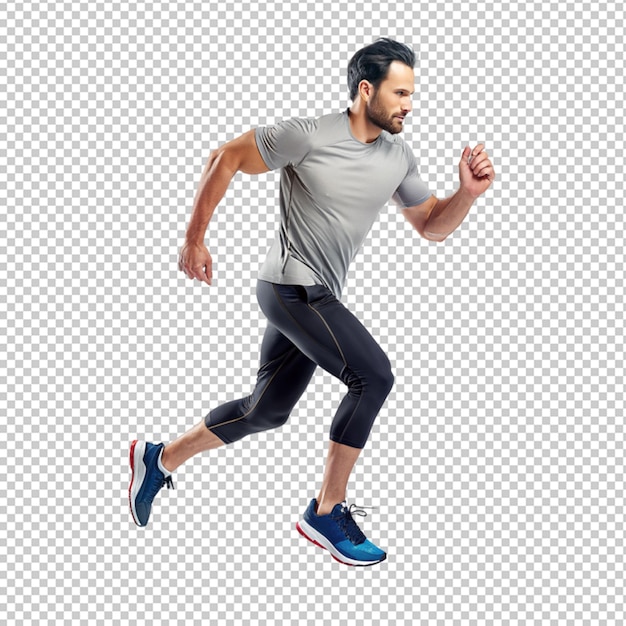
(337, 172)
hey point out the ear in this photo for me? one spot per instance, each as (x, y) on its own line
(366, 90)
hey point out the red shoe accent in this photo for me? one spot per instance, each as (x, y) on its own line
(319, 544)
(132, 478)
(132, 459)
(307, 537)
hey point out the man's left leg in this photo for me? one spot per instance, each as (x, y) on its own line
(328, 334)
(332, 527)
(340, 462)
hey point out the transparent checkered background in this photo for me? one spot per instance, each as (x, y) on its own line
(497, 464)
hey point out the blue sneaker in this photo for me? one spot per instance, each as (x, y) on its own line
(148, 476)
(338, 533)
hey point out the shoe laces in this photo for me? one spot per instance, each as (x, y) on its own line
(157, 485)
(347, 524)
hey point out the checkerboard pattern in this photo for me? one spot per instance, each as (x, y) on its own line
(497, 464)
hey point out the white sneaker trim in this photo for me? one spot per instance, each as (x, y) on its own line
(317, 537)
(138, 475)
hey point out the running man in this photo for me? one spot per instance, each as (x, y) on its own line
(337, 172)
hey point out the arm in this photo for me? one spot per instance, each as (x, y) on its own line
(238, 155)
(436, 219)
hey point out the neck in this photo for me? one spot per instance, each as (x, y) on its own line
(361, 127)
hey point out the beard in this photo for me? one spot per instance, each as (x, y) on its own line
(378, 116)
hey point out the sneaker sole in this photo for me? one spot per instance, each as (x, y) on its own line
(138, 469)
(309, 533)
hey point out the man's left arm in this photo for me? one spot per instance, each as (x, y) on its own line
(435, 219)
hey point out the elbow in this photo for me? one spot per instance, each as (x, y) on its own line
(225, 158)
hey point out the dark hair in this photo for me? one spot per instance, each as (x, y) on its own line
(372, 62)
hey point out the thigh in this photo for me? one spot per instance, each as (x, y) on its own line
(282, 377)
(274, 346)
(322, 328)
(359, 351)
(284, 370)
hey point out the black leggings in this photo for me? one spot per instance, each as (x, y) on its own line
(308, 327)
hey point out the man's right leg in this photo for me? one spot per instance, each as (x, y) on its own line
(194, 441)
(282, 378)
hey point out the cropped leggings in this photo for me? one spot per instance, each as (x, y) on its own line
(308, 327)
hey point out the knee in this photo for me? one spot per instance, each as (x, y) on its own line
(384, 380)
(272, 420)
(376, 382)
(265, 417)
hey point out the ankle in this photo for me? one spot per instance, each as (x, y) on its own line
(164, 462)
(326, 504)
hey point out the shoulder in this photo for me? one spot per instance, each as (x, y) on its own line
(332, 121)
(291, 126)
(286, 142)
(395, 142)
(399, 148)
(291, 131)
(315, 132)
(300, 124)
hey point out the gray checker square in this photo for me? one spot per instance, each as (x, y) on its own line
(497, 464)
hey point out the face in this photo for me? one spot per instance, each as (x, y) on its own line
(391, 102)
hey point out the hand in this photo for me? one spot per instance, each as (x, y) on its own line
(196, 262)
(476, 171)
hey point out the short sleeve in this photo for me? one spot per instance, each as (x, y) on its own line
(412, 190)
(285, 143)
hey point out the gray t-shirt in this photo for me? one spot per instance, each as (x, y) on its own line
(332, 188)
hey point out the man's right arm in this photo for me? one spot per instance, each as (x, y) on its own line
(239, 155)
